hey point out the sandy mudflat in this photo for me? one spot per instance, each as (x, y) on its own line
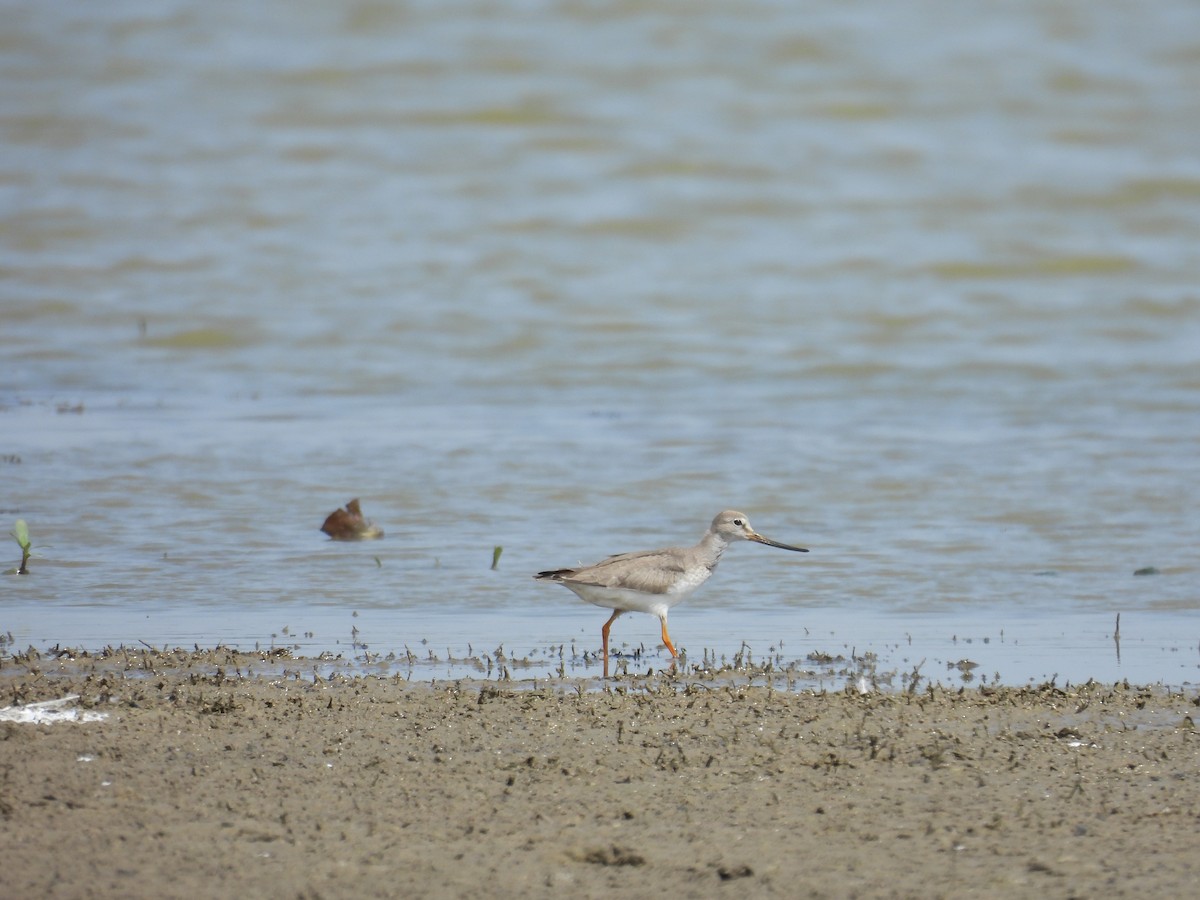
(205, 782)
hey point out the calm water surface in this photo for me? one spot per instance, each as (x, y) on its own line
(914, 287)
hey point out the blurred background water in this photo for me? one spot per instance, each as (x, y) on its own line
(914, 285)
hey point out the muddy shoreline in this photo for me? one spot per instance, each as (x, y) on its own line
(214, 773)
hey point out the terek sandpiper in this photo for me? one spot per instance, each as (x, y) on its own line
(653, 581)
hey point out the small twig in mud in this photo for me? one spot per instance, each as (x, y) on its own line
(914, 677)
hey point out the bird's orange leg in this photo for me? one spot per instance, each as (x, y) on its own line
(667, 640)
(604, 636)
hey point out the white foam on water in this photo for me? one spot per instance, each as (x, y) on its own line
(50, 712)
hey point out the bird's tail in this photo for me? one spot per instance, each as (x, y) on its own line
(553, 574)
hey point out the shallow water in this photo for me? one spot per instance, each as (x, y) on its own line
(915, 289)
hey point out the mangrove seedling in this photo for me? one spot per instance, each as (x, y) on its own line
(21, 533)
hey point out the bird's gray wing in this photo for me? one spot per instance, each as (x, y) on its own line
(649, 571)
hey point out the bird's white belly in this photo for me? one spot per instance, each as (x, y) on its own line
(625, 599)
(642, 601)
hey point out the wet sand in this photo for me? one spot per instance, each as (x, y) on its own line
(205, 780)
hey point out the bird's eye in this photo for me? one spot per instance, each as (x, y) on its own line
(739, 522)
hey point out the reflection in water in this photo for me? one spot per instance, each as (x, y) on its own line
(1117, 638)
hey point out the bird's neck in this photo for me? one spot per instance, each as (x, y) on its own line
(712, 546)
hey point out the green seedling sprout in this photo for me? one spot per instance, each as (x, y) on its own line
(21, 533)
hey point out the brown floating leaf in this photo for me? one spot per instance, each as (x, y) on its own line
(349, 525)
